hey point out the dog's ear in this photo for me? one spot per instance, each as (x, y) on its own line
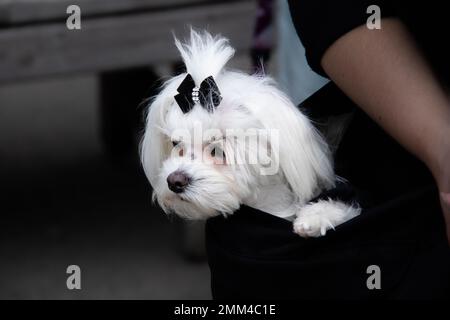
(154, 146)
(303, 155)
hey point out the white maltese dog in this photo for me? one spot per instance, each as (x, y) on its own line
(217, 139)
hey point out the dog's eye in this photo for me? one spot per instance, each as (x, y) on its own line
(217, 152)
(178, 146)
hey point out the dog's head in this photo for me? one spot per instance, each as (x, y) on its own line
(206, 156)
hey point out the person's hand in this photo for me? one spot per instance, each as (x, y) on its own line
(444, 191)
(445, 204)
(441, 173)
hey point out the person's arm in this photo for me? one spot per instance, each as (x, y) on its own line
(384, 73)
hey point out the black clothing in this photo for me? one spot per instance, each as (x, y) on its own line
(255, 255)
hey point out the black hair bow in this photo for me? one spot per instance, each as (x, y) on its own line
(188, 94)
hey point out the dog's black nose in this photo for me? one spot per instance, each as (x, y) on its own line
(177, 181)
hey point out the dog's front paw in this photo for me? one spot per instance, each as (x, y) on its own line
(311, 225)
(315, 219)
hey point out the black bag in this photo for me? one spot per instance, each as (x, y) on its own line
(255, 255)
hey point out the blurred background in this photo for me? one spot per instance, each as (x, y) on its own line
(72, 191)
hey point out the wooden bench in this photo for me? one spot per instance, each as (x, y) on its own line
(35, 42)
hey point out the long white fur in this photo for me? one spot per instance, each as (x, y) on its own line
(249, 101)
